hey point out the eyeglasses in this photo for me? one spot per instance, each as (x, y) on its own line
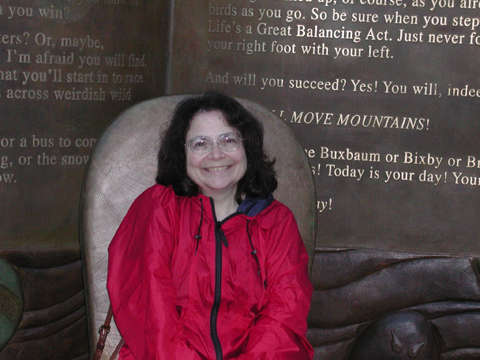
(228, 142)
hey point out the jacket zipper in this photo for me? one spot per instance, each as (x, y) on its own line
(218, 286)
(220, 240)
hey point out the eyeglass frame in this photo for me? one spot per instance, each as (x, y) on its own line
(214, 142)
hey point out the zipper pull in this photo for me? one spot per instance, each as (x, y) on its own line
(197, 239)
(222, 235)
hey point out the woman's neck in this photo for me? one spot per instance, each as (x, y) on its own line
(224, 206)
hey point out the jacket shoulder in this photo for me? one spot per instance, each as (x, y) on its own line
(155, 197)
(157, 194)
(275, 213)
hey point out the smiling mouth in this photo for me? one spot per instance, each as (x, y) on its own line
(217, 168)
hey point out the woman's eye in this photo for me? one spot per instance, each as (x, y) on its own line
(199, 144)
(230, 140)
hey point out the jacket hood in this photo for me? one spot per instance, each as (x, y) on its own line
(252, 206)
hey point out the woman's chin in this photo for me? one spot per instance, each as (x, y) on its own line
(218, 188)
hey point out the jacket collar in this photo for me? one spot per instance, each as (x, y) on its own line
(249, 207)
(252, 206)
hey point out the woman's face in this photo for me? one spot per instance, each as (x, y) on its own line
(216, 172)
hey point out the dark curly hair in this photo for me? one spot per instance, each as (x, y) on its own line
(259, 179)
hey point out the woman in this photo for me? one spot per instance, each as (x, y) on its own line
(206, 264)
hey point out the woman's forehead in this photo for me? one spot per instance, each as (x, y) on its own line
(209, 123)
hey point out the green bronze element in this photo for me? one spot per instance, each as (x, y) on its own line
(11, 302)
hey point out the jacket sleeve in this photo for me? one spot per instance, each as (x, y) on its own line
(280, 328)
(140, 284)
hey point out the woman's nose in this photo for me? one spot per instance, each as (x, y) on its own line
(216, 152)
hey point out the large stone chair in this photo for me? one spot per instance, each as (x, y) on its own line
(124, 164)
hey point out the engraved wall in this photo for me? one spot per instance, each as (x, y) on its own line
(381, 92)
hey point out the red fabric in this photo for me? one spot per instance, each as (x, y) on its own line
(161, 284)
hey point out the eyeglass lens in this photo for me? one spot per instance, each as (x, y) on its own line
(227, 142)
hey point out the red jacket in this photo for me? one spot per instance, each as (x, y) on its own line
(184, 286)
